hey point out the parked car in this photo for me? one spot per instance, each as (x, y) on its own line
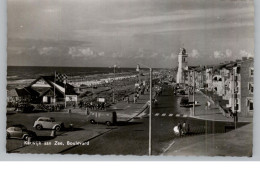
(20, 132)
(48, 123)
(107, 117)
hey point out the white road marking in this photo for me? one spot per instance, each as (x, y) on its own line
(156, 114)
(165, 150)
(178, 115)
(170, 115)
(185, 115)
(163, 114)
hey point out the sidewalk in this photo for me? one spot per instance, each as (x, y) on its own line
(213, 114)
(127, 111)
(240, 119)
(238, 142)
(206, 114)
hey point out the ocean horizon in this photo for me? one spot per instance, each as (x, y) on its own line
(18, 76)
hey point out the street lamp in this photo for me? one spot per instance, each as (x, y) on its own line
(193, 90)
(114, 84)
(150, 108)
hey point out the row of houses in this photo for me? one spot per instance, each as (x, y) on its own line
(229, 84)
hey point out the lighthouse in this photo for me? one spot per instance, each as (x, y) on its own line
(182, 65)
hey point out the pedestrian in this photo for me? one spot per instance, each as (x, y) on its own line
(137, 95)
(180, 128)
(87, 111)
(184, 127)
(127, 98)
(209, 105)
(206, 105)
(188, 129)
(155, 102)
(91, 105)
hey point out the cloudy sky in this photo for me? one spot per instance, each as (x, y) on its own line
(102, 33)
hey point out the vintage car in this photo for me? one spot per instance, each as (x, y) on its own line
(106, 117)
(20, 132)
(48, 123)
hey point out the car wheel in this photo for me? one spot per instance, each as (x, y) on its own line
(57, 128)
(25, 137)
(108, 123)
(7, 135)
(92, 121)
(38, 127)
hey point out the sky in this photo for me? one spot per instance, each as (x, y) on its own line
(103, 33)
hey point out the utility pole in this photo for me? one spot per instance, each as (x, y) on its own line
(189, 85)
(114, 84)
(235, 99)
(150, 115)
(193, 97)
(54, 92)
(150, 108)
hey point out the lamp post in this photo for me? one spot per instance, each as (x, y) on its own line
(193, 90)
(114, 84)
(150, 108)
(193, 97)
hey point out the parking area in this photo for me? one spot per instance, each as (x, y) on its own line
(28, 119)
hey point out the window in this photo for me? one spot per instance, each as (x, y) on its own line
(251, 88)
(238, 107)
(251, 72)
(250, 104)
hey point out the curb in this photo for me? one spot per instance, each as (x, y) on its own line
(199, 118)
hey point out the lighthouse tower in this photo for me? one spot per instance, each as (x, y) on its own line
(182, 65)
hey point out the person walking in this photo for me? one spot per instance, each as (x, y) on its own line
(184, 128)
(206, 105)
(134, 99)
(209, 104)
(87, 111)
(180, 128)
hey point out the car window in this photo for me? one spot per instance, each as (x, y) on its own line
(17, 129)
(40, 120)
(11, 128)
(23, 128)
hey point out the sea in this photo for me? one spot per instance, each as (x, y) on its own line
(19, 76)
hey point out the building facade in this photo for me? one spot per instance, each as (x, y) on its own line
(247, 87)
